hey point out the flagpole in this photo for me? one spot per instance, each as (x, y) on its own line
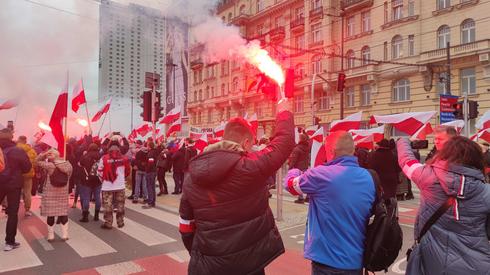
(86, 111)
(110, 121)
(102, 125)
(65, 135)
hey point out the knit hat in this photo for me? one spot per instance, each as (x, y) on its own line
(6, 133)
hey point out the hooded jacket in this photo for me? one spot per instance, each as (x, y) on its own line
(16, 161)
(226, 222)
(384, 162)
(457, 243)
(32, 157)
(300, 157)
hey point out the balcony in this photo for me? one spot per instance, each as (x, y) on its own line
(354, 5)
(241, 19)
(197, 63)
(297, 25)
(316, 13)
(277, 34)
(456, 51)
(369, 70)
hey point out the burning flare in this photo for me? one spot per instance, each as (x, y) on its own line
(82, 122)
(44, 126)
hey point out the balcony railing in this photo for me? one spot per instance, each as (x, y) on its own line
(196, 63)
(298, 23)
(241, 19)
(355, 4)
(316, 12)
(277, 33)
(461, 49)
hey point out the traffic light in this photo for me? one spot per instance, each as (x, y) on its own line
(472, 109)
(458, 110)
(146, 105)
(341, 82)
(289, 83)
(158, 106)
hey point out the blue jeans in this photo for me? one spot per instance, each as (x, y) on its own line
(321, 269)
(86, 194)
(150, 187)
(140, 184)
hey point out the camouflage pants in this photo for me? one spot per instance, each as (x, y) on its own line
(108, 198)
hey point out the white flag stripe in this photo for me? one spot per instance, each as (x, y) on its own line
(144, 234)
(482, 120)
(84, 242)
(22, 257)
(423, 117)
(354, 117)
(368, 132)
(154, 213)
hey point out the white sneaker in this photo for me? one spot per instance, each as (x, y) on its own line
(9, 247)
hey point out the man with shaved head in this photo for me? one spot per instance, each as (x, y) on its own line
(341, 197)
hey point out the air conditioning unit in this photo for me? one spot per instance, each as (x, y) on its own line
(484, 57)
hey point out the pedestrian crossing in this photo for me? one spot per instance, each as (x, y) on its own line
(146, 232)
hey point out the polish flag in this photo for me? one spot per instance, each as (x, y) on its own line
(482, 134)
(457, 124)
(484, 121)
(171, 116)
(311, 130)
(317, 148)
(102, 111)
(132, 136)
(78, 96)
(296, 134)
(6, 104)
(143, 130)
(201, 143)
(175, 127)
(220, 130)
(366, 138)
(56, 122)
(408, 123)
(351, 122)
(422, 133)
(195, 135)
(254, 123)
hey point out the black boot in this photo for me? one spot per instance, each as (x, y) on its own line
(96, 215)
(84, 216)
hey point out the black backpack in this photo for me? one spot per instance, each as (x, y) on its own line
(384, 236)
(6, 175)
(58, 178)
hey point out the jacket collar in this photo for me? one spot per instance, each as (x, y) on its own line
(344, 161)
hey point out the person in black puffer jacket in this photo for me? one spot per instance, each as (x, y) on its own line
(384, 162)
(90, 183)
(300, 159)
(225, 219)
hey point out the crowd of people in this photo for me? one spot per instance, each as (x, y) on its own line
(225, 219)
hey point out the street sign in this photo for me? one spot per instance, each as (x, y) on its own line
(446, 108)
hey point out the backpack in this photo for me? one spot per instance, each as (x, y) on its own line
(384, 236)
(91, 175)
(5, 169)
(58, 178)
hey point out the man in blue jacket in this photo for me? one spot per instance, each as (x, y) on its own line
(341, 197)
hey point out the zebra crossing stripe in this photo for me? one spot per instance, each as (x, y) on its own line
(120, 268)
(158, 214)
(40, 238)
(181, 256)
(22, 257)
(144, 234)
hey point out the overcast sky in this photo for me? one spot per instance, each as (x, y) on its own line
(43, 39)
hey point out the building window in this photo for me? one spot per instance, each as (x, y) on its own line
(441, 87)
(411, 8)
(210, 116)
(396, 47)
(386, 14)
(299, 42)
(200, 95)
(242, 9)
(316, 33)
(277, 22)
(365, 95)
(260, 29)
(299, 71)
(443, 4)
(468, 81)
(258, 109)
(206, 94)
(235, 85)
(316, 4)
(212, 92)
(349, 97)
(260, 5)
(298, 104)
(222, 89)
(300, 12)
(350, 59)
(411, 45)
(397, 9)
(365, 55)
(468, 31)
(316, 64)
(366, 21)
(385, 50)
(443, 36)
(351, 26)
(401, 90)
(324, 101)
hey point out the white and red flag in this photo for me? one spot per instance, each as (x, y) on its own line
(173, 115)
(102, 111)
(423, 132)
(408, 123)
(143, 130)
(132, 136)
(219, 131)
(482, 134)
(175, 127)
(311, 130)
(317, 148)
(56, 122)
(457, 124)
(6, 104)
(351, 122)
(484, 121)
(78, 97)
(201, 142)
(366, 138)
